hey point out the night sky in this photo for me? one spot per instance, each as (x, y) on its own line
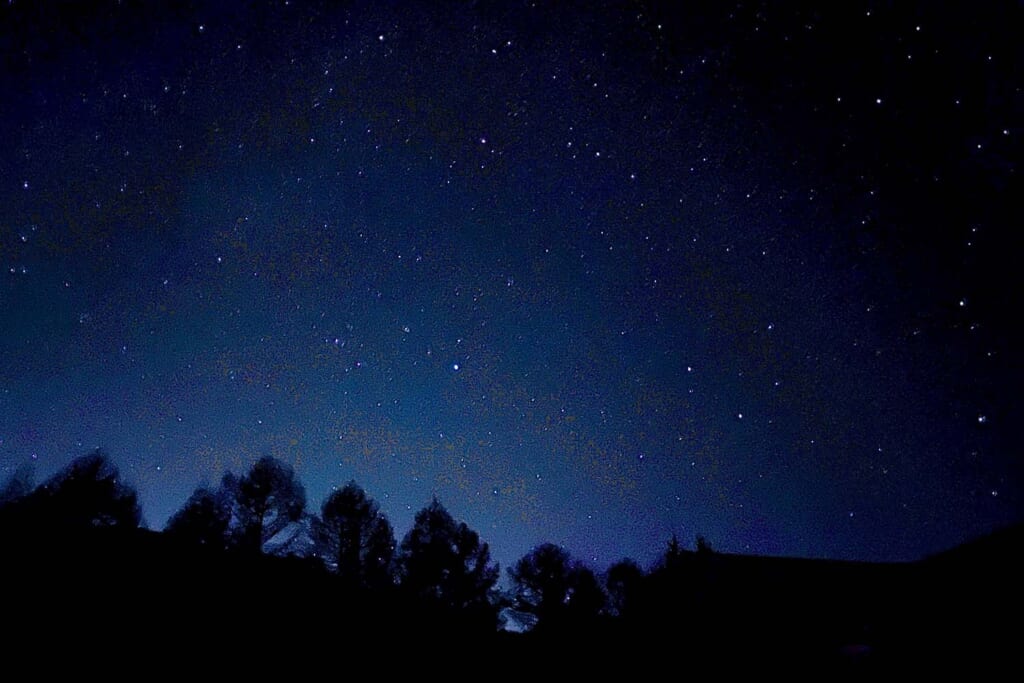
(591, 273)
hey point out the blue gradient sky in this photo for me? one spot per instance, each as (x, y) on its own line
(590, 277)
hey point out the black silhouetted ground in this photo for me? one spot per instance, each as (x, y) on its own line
(84, 585)
(111, 590)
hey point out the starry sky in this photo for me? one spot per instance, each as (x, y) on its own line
(591, 273)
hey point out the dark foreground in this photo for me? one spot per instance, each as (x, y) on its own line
(136, 602)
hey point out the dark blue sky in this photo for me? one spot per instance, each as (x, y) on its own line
(591, 274)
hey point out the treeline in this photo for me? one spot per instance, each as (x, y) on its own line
(441, 564)
(245, 567)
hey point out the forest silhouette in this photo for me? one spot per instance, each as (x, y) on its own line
(247, 565)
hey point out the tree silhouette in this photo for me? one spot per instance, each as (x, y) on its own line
(86, 493)
(444, 563)
(354, 538)
(540, 580)
(673, 554)
(623, 581)
(548, 583)
(266, 501)
(587, 599)
(204, 519)
(703, 545)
